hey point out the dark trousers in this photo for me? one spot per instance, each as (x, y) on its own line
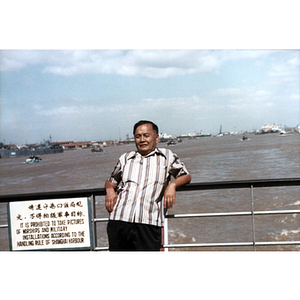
(126, 236)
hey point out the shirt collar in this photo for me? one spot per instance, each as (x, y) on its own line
(157, 151)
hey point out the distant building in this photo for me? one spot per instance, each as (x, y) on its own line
(76, 145)
(65, 143)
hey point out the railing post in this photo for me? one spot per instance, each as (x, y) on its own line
(94, 224)
(166, 237)
(252, 213)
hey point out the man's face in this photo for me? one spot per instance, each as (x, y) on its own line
(145, 139)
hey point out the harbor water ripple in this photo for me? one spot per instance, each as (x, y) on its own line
(208, 159)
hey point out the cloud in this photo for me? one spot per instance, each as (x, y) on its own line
(295, 97)
(286, 72)
(245, 99)
(228, 55)
(145, 63)
(262, 93)
(16, 59)
(295, 62)
(63, 110)
(151, 64)
(156, 106)
(80, 110)
(227, 92)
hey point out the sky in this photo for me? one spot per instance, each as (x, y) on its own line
(99, 94)
(146, 63)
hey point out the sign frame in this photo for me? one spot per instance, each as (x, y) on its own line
(75, 247)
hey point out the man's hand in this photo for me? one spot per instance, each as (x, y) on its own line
(169, 196)
(170, 192)
(111, 196)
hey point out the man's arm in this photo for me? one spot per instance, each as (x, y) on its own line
(170, 192)
(111, 195)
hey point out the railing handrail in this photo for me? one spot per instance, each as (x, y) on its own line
(189, 187)
(242, 184)
(53, 195)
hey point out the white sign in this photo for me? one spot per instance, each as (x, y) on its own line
(50, 224)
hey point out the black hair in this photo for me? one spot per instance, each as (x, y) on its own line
(142, 122)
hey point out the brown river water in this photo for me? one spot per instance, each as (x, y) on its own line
(208, 159)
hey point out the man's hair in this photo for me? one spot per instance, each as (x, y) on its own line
(142, 122)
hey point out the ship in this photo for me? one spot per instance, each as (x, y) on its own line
(163, 137)
(270, 128)
(47, 148)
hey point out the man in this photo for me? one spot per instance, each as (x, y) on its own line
(135, 190)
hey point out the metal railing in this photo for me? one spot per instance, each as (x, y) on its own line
(244, 184)
(250, 184)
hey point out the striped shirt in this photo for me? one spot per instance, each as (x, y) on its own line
(141, 184)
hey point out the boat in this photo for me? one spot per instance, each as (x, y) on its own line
(97, 149)
(32, 159)
(171, 142)
(282, 132)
